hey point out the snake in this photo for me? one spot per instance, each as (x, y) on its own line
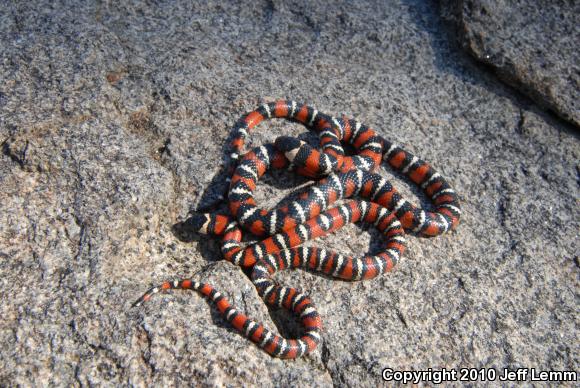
(309, 217)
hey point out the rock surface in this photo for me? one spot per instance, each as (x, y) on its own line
(532, 45)
(112, 123)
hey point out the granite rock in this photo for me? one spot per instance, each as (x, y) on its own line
(113, 119)
(531, 45)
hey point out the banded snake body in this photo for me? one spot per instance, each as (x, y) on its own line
(371, 199)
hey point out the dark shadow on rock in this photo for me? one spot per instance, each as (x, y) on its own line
(288, 325)
(208, 247)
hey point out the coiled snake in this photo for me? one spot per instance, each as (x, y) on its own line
(375, 201)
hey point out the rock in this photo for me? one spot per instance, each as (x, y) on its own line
(531, 45)
(113, 119)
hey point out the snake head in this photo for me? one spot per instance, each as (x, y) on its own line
(290, 146)
(197, 223)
